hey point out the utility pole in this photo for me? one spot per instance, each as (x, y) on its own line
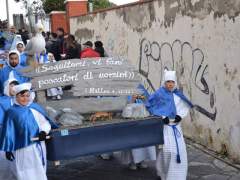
(90, 5)
(31, 16)
(7, 11)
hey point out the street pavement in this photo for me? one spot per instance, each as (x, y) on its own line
(202, 166)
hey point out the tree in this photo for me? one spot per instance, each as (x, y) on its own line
(53, 5)
(58, 5)
(101, 4)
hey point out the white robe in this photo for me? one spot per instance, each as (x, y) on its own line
(31, 161)
(166, 164)
(139, 155)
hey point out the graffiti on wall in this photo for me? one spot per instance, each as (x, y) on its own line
(190, 65)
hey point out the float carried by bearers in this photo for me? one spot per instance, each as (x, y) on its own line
(99, 91)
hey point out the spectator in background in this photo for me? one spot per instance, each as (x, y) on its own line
(47, 36)
(88, 51)
(19, 31)
(60, 39)
(3, 53)
(24, 35)
(44, 34)
(2, 42)
(12, 29)
(100, 49)
(9, 37)
(72, 48)
(53, 46)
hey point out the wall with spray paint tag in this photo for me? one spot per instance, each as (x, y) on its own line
(197, 38)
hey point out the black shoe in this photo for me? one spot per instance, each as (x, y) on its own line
(158, 178)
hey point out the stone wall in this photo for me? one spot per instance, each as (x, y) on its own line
(200, 39)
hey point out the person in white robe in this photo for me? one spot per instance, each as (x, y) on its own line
(55, 93)
(24, 121)
(137, 158)
(170, 104)
(7, 168)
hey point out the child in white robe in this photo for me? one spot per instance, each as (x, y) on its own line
(24, 121)
(170, 104)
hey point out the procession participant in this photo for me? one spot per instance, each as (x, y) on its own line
(23, 56)
(9, 37)
(42, 58)
(14, 67)
(137, 158)
(54, 93)
(6, 101)
(24, 121)
(171, 104)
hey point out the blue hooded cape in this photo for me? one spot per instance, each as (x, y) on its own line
(19, 127)
(9, 38)
(45, 57)
(5, 104)
(4, 75)
(161, 103)
(23, 59)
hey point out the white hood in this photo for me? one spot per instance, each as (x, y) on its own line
(169, 76)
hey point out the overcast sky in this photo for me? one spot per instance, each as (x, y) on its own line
(18, 8)
(14, 8)
(120, 2)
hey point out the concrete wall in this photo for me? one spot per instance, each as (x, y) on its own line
(200, 39)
